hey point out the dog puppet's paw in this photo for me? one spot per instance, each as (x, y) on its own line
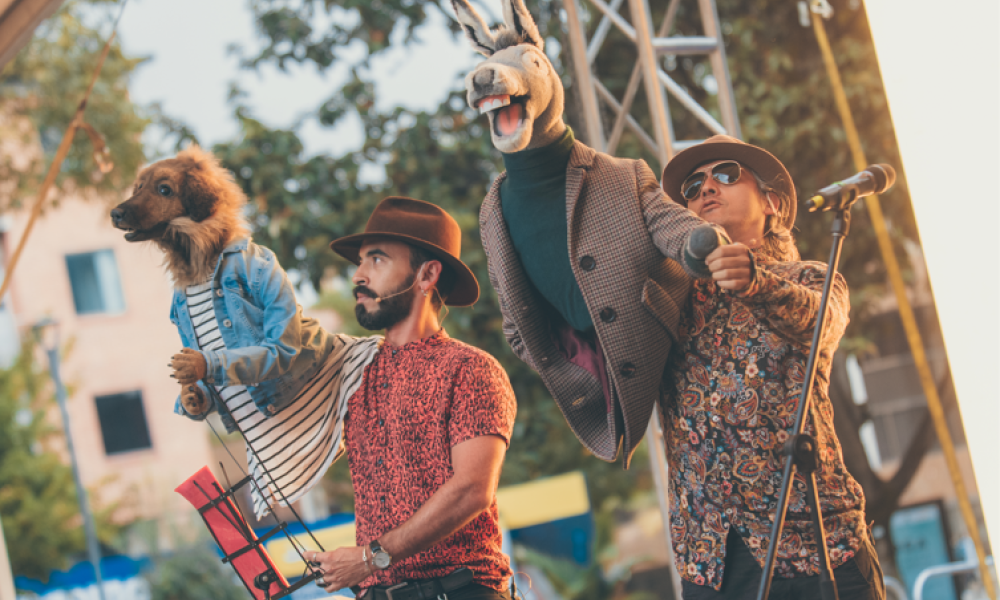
(193, 400)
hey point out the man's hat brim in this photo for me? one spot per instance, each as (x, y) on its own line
(466, 289)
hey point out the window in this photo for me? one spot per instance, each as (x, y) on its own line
(123, 422)
(95, 282)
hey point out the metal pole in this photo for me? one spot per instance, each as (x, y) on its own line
(658, 464)
(93, 550)
(727, 102)
(583, 83)
(655, 95)
(6, 577)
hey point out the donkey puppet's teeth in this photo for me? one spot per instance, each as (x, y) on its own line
(492, 103)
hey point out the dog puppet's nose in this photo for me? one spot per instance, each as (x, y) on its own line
(116, 215)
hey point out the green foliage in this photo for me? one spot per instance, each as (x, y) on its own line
(574, 582)
(38, 504)
(783, 97)
(194, 573)
(44, 84)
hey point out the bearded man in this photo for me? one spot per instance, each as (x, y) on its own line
(427, 431)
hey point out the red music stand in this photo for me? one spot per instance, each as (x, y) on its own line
(240, 545)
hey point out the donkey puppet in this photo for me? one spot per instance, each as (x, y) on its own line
(585, 251)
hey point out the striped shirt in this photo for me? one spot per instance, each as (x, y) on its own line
(299, 443)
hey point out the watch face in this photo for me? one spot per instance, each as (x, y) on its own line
(382, 559)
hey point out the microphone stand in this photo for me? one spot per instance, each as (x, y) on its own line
(801, 450)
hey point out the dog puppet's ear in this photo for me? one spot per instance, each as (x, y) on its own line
(475, 27)
(198, 194)
(517, 18)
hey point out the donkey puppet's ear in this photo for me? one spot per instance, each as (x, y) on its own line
(517, 17)
(475, 28)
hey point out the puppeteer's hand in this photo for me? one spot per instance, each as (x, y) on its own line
(188, 365)
(731, 267)
(193, 400)
(341, 568)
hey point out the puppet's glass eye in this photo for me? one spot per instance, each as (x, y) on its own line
(164, 190)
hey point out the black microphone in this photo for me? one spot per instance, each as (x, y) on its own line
(702, 241)
(841, 195)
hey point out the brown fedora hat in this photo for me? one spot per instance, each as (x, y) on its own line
(724, 147)
(420, 224)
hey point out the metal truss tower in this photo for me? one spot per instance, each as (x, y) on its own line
(659, 86)
(650, 48)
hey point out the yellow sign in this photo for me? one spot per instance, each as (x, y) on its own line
(544, 500)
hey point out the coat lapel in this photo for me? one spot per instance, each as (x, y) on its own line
(580, 160)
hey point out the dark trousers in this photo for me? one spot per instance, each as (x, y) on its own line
(860, 578)
(473, 591)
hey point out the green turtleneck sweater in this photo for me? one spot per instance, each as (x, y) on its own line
(533, 198)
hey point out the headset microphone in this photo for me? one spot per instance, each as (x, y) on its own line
(416, 280)
(379, 300)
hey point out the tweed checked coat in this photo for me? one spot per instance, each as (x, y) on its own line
(626, 240)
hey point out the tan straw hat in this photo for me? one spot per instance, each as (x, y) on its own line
(420, 224)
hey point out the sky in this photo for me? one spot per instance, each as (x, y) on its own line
(190, 71)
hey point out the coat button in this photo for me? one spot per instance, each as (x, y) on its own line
(544, 360)
(608, 315)
(228, 323)
(218, 292)
(587, 263)
(627, 369)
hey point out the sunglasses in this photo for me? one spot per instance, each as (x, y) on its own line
(726, 173)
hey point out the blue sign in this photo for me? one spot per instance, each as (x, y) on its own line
(918, 535)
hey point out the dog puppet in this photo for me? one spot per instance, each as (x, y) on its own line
(585, 251)
(242, 331)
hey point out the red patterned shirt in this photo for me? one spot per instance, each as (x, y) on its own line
(415, 403)
(736, 381)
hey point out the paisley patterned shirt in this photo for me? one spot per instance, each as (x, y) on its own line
(415, 403)
(734, 386)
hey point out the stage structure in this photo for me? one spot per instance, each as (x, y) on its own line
(651, 47)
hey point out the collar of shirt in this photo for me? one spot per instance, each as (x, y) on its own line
(417, 345)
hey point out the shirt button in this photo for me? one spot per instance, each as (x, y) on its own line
(382, 500)
(587, 263)
(394, 353)
(608, 315)
(381, 422)
(227, 323)
(218, 292)
(385, 385)
(379, 462)
(627, 369)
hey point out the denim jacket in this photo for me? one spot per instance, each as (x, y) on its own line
(271, 347)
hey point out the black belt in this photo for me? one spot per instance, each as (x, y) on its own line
(425, 589)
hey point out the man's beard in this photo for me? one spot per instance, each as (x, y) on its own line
(390, 311)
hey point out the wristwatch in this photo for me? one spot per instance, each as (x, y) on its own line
(380, 558)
